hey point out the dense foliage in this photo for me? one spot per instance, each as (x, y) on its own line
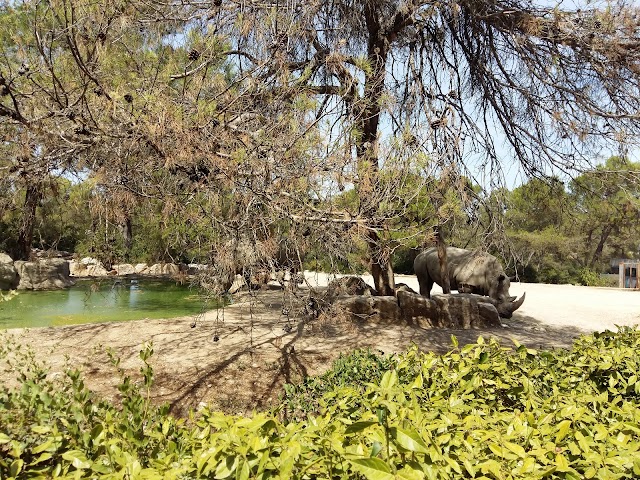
(480, 411)
(558, 232)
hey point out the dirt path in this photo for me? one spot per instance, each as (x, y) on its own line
(238, 360)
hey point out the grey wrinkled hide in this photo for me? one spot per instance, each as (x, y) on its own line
(469, 272)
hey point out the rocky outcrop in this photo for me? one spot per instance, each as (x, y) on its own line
(91, 267)
(87, 267)
(162, 269)
(8, 273)
(44, 274)
(347, 286)
(462, 311)
(124, 269)
(140, 268)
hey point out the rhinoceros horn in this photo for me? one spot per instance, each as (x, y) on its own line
(506, 309)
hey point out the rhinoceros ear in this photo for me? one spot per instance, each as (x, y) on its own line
(501, 278)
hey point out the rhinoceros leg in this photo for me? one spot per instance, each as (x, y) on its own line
(426, 284)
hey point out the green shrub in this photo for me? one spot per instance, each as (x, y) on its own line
(354, 370)
(591, 278)
(480, 411)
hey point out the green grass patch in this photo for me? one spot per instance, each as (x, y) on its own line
(479, 411)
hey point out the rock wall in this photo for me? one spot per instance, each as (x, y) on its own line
(461, 311)
(55, 273)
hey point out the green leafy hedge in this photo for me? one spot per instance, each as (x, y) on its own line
(480, 411)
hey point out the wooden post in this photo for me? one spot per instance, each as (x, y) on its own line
(621, 275)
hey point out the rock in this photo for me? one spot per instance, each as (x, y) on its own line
(195, 268)
(348, 286)
(419, 310)
(162, 269)
(75, 267)
(124, 269)
(140, 268)
(44, 274)
(8, 273)
(90, 261)
(464, 311)
(87, 267)
(383, 310)
(403, 287)
(96, 271)
(237, 285)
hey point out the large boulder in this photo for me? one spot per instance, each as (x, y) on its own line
(87, 267)
(124, 269)
(163, 269)
(8, 273)
(44, 274)
(140, 268)
(367, 308)
(463, 311)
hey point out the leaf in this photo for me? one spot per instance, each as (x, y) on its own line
(226, 467)
(372, 468)
(409, 440)
(563, 429)
(417, 382)
(16, 467)
(411, 471)
(376, 448)
(562, 465)
(41, 429)
(4, 438)
(42, 458)
(96, 431)
(358, 427)
(77, 459)
(389, 379)
(42, 447)
(515, 448)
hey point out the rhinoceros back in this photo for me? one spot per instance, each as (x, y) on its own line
(467, 267)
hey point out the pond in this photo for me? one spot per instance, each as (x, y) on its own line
(105, 300)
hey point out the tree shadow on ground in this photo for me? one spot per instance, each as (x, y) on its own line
(237, 359)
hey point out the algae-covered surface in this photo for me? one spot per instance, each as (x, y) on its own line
(107, 300)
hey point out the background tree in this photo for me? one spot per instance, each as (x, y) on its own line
(438, 75)
(560, 231)
(607, 201)
(262, 113)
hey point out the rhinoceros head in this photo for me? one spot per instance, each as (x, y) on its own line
(507, 304)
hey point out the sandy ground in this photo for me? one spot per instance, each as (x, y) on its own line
(237, 359)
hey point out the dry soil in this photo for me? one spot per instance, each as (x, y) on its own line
(236, 359)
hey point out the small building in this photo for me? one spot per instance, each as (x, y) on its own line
(628, 273)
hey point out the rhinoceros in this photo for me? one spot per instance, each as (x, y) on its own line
(469, 272)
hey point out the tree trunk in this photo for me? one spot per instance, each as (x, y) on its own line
(127, 235)
(25, 235)
(367, 110)
(606, 231)
(442, 259)
(381, 268)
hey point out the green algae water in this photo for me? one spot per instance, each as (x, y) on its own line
(107, 300)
